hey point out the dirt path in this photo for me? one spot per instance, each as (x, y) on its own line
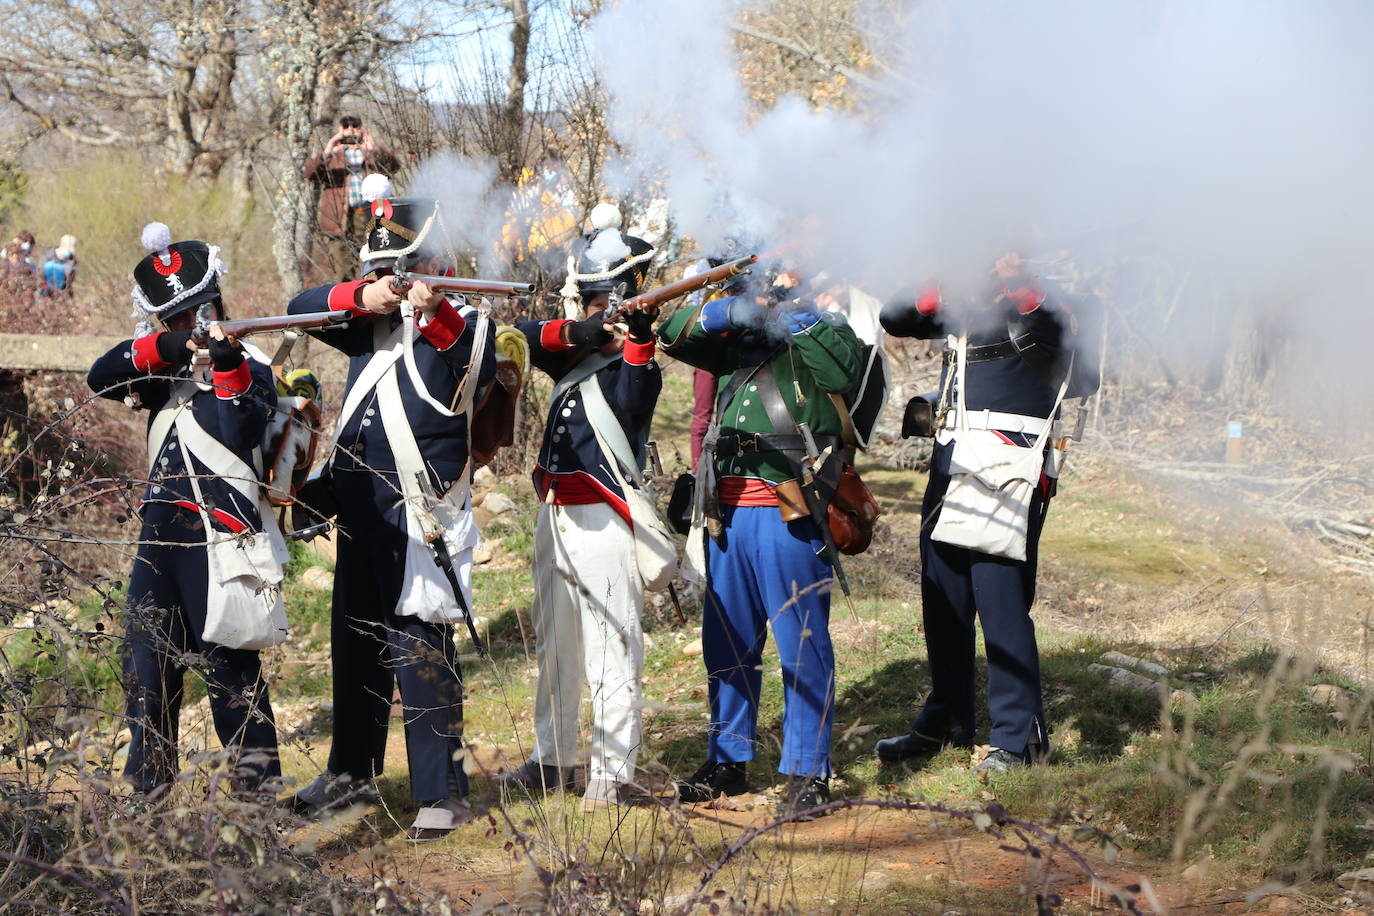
(852, 861)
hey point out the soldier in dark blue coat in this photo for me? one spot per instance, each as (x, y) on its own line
(588, 593)
(1022, 355)
(401, 426)
(178, 283)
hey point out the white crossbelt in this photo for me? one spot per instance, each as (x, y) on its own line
(993, 419)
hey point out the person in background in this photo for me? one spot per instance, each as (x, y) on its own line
(59, 267)
(21, 274)
(703, 382)
(348, 157)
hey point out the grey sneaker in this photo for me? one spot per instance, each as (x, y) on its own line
(605, 793)
(436, 821)
(999, 761)
(331, 791)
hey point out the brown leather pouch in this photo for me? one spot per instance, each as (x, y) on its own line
(791, 503)
(852, 513)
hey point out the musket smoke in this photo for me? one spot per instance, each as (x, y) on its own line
(1229, 139)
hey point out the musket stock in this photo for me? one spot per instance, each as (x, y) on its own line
(656, 297)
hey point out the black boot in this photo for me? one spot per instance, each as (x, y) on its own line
(712, 780)
(918, 744)
(802, 794)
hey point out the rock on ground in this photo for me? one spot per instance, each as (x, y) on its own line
(318, 578)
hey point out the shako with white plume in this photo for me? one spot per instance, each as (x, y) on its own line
(173, 277)
(605, 259)
(399, 226)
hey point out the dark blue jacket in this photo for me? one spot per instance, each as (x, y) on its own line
(631, 386)
(234, 411)
(1024, 382)
(443, 349)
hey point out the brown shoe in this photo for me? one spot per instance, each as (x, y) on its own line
(533, 776)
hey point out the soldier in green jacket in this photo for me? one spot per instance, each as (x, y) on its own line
(777, 361)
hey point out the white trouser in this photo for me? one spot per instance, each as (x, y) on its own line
(587, 602)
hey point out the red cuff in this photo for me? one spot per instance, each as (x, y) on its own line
(551, 335)
(144, 354)
(639, 354)
(233, 383)
(1026, 299)
(343, 297)
(928, 303)
(444, 329)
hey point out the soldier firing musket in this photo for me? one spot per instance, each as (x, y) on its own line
(404, 573)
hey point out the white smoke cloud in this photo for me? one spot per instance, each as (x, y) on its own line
(478, 214)
(1231, 139)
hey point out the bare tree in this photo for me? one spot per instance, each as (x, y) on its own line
(317, 52)
(134, 73)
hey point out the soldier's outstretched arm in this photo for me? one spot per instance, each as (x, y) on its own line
(917, 315)
(831, 350)
(701, 336)
(354, 340)
(135, 367)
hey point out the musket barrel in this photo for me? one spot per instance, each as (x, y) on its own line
(468, 285)
(241, 327)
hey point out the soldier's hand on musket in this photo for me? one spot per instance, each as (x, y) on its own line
(640, 323)
(590, 332)
(225, 353)
(378, 297)
(425, 299)
(217, 332)
(176, 347)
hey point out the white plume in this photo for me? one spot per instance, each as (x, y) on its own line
(377, 186)
(606, 216)
(156, 237)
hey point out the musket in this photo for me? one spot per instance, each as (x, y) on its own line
(656, 297)
(401, 281)
(242, 327)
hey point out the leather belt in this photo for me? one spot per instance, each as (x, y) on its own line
(993, 419)
(990, 352)
(739, 444)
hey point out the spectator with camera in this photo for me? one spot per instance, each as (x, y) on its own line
(350, 155)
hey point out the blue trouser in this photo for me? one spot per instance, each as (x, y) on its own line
(958, 584)
(165, 619)
(374, 648)
(763, 573)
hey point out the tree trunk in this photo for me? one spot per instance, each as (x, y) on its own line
(298, 69)
(513, 116)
